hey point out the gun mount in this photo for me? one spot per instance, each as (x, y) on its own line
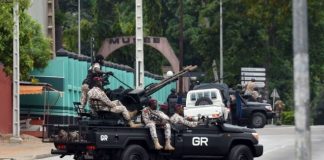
(137, 98)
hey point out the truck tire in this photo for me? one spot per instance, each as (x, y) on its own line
(240, 152)
(258, 120)
(134, 152)
(203, 101)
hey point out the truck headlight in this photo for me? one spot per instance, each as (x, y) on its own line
(268, 108)
(256, 136)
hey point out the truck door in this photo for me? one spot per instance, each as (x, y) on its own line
(202, 141)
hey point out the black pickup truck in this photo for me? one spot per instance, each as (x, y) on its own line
(105, 135)
(112, 140)
(252, 114)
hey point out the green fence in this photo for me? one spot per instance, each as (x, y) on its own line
(66, 73)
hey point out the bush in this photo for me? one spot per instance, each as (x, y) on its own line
(288, 118)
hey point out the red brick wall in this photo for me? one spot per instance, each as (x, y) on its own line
(5, 102)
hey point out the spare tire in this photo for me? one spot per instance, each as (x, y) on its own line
(203, 101)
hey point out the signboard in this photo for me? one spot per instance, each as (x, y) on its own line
(259, 74)
(275, 94)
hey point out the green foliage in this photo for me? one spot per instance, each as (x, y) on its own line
(255, 34)
(288, 118)
(35, 49)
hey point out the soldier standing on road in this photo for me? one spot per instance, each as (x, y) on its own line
(177, 117)
(278, 108)
(93, 71)
(153, 117)
(97, 94)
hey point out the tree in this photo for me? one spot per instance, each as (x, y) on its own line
(255, 34)
(35, 50)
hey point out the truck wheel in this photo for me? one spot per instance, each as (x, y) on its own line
(240, 152)
(203, 101)
(258, 120)
(134, 152)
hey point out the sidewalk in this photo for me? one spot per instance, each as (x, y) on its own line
(31, 148)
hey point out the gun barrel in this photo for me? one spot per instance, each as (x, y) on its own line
(153, 88)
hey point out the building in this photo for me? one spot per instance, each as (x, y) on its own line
(6, 102)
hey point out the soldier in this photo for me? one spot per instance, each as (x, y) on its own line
(172, 101)
(93, 71)
(177, 117)
(278, 108)
(96, 93)
(249, 87)
(153, 117)
(249, 90)
(62, 136)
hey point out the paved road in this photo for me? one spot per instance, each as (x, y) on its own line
(278, 143)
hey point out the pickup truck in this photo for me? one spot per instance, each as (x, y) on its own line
(208, 98)
(250, 114)
(111, 139)
(104, 135)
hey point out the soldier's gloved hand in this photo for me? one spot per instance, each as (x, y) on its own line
(110, 73)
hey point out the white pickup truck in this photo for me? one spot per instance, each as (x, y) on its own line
(205, 103)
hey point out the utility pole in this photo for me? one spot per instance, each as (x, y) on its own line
(181, 45)
(92, 53)
(79, 29)
(301, 81)
(139, 75)
(221, 40)
(16, 99)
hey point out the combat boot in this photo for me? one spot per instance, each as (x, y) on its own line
(157, 145)
(168, 145)
(133, 125)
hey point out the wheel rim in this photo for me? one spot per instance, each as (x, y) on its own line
(135, 157)
(257, 121)
(242, 157)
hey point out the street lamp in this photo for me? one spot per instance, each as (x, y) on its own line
(79, 28)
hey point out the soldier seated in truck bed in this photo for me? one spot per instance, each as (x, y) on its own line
(152, 118)
(177, 117)
(96, 93)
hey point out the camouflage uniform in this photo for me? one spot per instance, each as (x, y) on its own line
(152, 118)
(249, 88)
(278, 108)
(113, 106)
(87, 84)
(177, 119)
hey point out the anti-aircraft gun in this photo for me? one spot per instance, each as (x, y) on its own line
(137, 98)
(133, 99)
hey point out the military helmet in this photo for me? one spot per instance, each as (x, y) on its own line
(99, 57)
